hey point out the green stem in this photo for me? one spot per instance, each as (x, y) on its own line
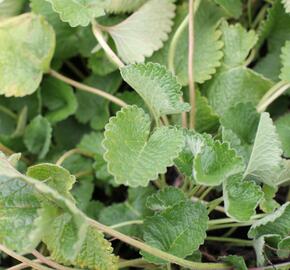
(8, 112)
(21, 258)
(230, 225)
(154, 251)
(235, 241)
(214, 205)
(70, 153)
(230, 220)
(126, 223)
(87, 88)
(132, 263)
(276, 91)
(205, 193)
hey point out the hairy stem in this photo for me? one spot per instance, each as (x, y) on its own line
(191, 85)
(70, 153)
(126, 223)
(154, 251)
(235, 241)
(21, 258)
(132, 263)
(276, 91)
(110, 53)
(87, 88)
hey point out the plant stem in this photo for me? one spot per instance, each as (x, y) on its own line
(132, 263)
(191, 85)
(7, 151)
(21, 258)
(230, 220)
(154, 251)
(205, 193)
(75, 70)
(8, 112)
(110, 53)
(276, 91)
(69, 153)
(87, 88)
(236, 241)
(230, 225)
(126, 223)
(48, 262)
(218, 208)
(20, 266)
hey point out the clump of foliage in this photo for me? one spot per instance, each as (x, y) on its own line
(162, 125)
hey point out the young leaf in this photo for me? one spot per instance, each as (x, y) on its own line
(283, 129)
(157, 86)
(26, 53)
(268, 204)
(178, 230)
(134, 157)
(277, 222)
(165, 198)
(237, 262)
(241, 197)
(265, 160)
(37, 136)
(215, 162)
(144, 31)
(117, 6)
(59, 98)
(285, 59)
(77, 12)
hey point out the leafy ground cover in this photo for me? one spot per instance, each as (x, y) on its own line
(150, 134)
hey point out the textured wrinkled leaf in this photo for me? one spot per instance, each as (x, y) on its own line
(178, 230)
(144, 31)
(59, 98)
(278, 222)
(157, 86)
(117, 6)
(206, 119)
(285, 59)
(26, 53)
(214, 162)
(94, 253)
(19, 215)
(268, 204)
(9, 8)
(237, 262)
(134, 208)
(237, 44)
(265, 160)
(232, 7)
(37, 136)
(77, 12)
(134, 157)
(208, 45)
(67, 38)
(165, 198)
(283, 129)
(241, 197)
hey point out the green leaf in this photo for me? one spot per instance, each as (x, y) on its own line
(284, 248)
(233, 7)
(157, 86)
(285, 59)
(67, 38)
(9, 8)
(19, 216)
(144, 31)
(26, 53)
(237, 44)
(283, 129)
(206, 119)
(214, 162)
(278, 222)
(94, 253)
(265, 160)
(165, 198)
(134, 208)
(178, 230)
(117, 6)
(237, 262)
(268, 204)
(77, 12)
(37, 136)
(134, 157)
(59, 98)
(241, 197)
(208, 46)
